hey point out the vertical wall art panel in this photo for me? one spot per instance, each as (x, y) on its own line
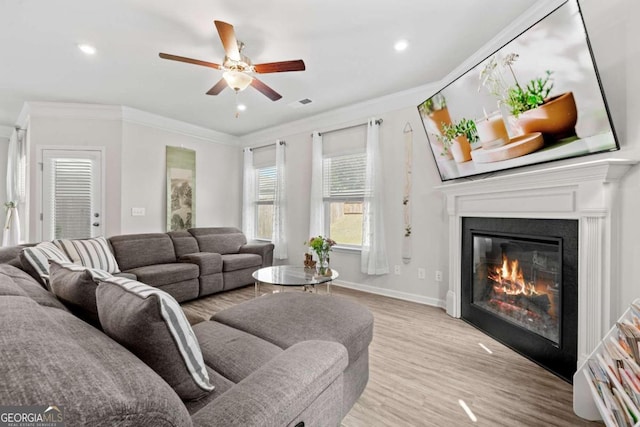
(181, 188)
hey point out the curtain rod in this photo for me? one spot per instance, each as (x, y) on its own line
(266, 146)
(378, 122)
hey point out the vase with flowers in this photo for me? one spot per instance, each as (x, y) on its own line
(321, 246)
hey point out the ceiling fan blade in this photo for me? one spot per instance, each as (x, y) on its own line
(265, 90)
(218, 87)
(228, 37)
(189, 60)
(279, 67)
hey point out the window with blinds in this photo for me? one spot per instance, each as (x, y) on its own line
(343, 192)
(264, 205)
(72, 186)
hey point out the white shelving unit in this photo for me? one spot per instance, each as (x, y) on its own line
(586, 399)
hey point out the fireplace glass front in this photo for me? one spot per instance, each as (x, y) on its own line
(519, 279)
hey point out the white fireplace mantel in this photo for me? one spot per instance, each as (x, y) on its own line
(585, 192)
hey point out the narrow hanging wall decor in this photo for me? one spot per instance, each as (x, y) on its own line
(181, 188)
(406, 199)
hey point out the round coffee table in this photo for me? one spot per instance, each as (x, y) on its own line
(290, 275)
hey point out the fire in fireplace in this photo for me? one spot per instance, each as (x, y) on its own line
(519, 280)
(519, 285)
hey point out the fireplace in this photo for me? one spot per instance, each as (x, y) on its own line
(520, 286)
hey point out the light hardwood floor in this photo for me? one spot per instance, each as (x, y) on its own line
(423, 362)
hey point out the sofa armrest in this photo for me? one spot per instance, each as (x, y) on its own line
(265, 250)
(208, 262)
(280, 390)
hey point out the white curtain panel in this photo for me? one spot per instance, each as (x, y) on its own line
(16, 179)
(373, 259)
(279, 237)
(316, 208)
(248, 196)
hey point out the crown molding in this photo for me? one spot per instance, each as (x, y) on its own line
(134, 116)
(329, 119)
(70, 111)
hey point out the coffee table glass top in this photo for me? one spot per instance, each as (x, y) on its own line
(290, 275)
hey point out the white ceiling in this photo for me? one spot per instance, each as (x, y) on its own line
(347, 47)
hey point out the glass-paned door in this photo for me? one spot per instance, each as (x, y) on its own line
(72, 194)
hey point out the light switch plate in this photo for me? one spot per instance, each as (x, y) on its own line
(138, 211)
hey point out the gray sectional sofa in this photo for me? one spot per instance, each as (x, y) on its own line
(287, 359)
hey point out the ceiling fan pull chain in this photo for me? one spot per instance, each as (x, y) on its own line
(237, 105)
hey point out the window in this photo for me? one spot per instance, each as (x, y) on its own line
(343, 194)
(264, 204)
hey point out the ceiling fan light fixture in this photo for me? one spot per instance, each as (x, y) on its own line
(237, 80)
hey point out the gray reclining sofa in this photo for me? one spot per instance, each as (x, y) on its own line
(194, 263)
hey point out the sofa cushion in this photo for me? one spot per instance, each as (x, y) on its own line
(208, 263)
(15, 277)
(92, 253)
(183, 243)
(9, 288)
(139, 250)
(232, 353)
(165, 274)
(35, 260)
(233, 262)
(52, 357)
(221, 240)
(287, 318)
(151, 324)
(75, 286)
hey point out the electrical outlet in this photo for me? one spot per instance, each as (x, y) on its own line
(422, 274)
(396, 270)
(438, 276)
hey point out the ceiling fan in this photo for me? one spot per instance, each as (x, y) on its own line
(238, 68)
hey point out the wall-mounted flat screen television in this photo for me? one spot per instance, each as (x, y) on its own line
(537, 99)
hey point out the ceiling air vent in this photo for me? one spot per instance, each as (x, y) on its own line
(300, 103)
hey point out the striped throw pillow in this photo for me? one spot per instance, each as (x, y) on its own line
(150, 323)
(92, 253)
(96, 274)
(38, 258)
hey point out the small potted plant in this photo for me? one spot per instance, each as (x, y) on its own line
(458, 137)
(531, 105)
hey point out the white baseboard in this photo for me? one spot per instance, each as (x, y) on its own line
(392, 294)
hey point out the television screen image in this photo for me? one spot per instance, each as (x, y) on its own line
(537, 99)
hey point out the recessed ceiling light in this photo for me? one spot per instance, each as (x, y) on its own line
(401, 45)
(241, 107)
(87, 48)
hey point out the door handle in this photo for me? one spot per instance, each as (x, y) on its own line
(96, 224)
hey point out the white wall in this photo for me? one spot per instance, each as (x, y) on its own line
(614, 37)
(613, 34)
(45, 130)
(135, 172)
(218, 179)
(430, 246)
